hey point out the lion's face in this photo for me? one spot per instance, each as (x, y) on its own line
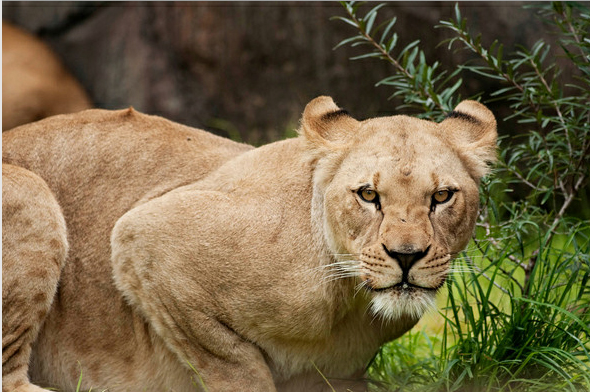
(400, 206)
(399, 202)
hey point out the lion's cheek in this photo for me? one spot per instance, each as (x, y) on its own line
(350, 224)
(455, 225)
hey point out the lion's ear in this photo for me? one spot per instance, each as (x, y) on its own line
(471, 129)
(324, 124)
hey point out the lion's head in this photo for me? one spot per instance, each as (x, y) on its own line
(397, 197)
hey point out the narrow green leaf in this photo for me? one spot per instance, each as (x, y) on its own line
(346, 20)
(370, 21)
(389, 26)
(349, 40)
(366, 56)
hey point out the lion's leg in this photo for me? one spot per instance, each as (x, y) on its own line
(34, 248)
(176, 290)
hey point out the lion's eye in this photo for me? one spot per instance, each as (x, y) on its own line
(442, 196)
(369, 195)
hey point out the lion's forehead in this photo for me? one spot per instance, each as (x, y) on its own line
(403, 139)
(384, 168)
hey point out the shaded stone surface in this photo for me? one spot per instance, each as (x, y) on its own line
(244, 69)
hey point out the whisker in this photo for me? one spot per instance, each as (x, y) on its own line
(359, 287)
(332, 278)
(337, 270)
(338, 264)
(469, 257)
(346, 254)
(341, 274)
(462, 269)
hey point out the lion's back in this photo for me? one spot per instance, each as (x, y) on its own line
(123, 152)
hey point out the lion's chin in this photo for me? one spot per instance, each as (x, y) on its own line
(395, 304)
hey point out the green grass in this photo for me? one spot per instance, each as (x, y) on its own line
(493, 337)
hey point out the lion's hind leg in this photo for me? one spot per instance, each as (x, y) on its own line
(34, 248)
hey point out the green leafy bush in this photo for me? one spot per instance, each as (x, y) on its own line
(518, 310)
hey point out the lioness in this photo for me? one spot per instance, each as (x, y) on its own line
(198, 263)
(35, 84)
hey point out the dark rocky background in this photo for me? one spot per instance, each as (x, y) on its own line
(246, 69)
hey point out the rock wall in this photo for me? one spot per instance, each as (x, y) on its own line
(243, 69)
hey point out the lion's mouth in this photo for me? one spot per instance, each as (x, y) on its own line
(405, 287)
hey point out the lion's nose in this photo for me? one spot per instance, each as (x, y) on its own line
(406, 256)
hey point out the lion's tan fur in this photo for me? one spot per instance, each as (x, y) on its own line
(253, 265)
(35, 83)
(32, 259)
